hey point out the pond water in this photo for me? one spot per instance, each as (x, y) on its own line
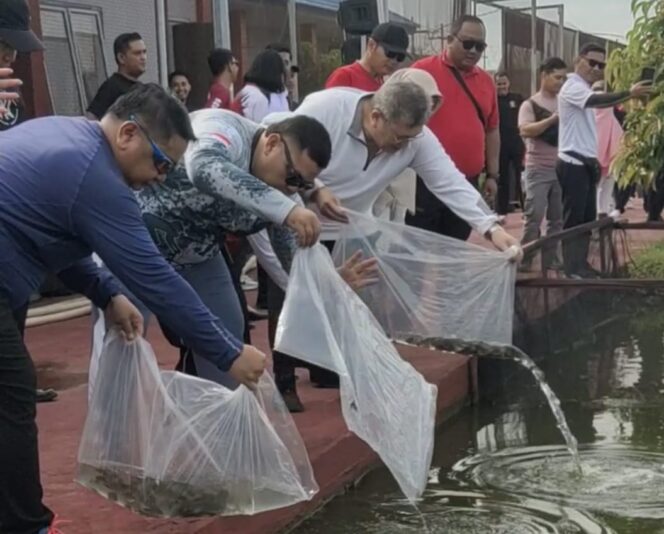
(502, 466)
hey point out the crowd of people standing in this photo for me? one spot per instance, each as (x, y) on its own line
(156, 192)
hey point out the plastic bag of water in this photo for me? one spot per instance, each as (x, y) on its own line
(432, 285)
(171, 445)
(384, 400)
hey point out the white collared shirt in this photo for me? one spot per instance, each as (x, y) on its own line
(578, 127)
(358, 187)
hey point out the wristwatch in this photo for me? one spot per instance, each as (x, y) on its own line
(492, 177)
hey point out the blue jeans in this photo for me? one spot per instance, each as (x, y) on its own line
(212, 280)
(213, 283)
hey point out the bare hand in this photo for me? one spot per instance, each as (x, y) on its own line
(490, 188)
(123, 314)
(305, 224)
(358, 273)
(248, 367)
(504, 241)
(8, 83)
(641, 89)
(329, 205)
(554, 117)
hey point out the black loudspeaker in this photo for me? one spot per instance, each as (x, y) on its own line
(351, 50)
(358, 17)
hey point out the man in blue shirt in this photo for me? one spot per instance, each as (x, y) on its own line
(65, 192)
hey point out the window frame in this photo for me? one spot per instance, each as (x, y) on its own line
(74, 52)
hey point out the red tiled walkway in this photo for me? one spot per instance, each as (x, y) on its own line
(61, 353)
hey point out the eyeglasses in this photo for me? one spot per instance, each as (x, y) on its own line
(594, 64)
(469, 44)
(294, 178)
(161, 161)
(403, 138)
(399, 57)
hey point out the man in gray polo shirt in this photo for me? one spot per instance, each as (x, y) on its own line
(577, 167)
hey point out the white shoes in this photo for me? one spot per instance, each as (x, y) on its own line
(615, 215)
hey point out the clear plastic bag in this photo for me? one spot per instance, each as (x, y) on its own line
(432, 285)
(171, 445)
(384, 400)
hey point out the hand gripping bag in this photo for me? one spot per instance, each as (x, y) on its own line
(384, 400)
(432, 285)
(167, 444)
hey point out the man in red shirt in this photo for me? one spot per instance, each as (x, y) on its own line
(466, 124)
(224, 68)
(387, 47)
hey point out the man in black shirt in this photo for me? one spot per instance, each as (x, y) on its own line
(131, 56)
(512, 149)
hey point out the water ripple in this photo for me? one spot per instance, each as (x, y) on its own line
(617, 480)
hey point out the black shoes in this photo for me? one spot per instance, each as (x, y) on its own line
(324, 379)
(46, 395)
(292, 401)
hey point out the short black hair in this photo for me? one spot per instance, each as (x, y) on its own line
(176, 73)
(591, 47)
(463, 19)
(122, 42)
(219, 59)
(280, 48)
(500, 74)
(308, 134)
(551, 64)
(161, 114)
(267, 71)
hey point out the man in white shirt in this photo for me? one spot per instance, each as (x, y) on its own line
(577, 167)
(375, 137)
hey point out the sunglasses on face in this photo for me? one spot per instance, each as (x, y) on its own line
(594, 64)
(469, 44)
(161, 161)
(399, 57)
(294, 178)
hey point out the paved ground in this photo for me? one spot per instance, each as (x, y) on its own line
(61, 353)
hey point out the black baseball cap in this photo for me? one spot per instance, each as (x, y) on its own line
(15, 26)
(392, 37)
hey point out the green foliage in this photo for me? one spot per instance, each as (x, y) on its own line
(314, 69)
(642, 155)
(649, 264)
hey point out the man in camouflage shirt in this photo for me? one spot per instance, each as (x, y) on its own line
(238, 177)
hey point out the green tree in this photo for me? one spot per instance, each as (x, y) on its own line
(642, 155)
(314, 70)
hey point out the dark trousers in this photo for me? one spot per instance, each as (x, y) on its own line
(579, 187)
(433, 215)
(21, 508)
(654, 198)
(511, 165)
(283, 364)
(622, 196)
(262, 279)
